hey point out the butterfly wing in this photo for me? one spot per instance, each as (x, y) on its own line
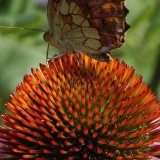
(91, 26)
(51, 11)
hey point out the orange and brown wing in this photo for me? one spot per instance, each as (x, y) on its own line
(108, 17)
(91, 26)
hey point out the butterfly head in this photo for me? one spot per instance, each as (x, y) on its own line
(52, 40)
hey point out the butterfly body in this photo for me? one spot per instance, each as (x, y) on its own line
(89, 26)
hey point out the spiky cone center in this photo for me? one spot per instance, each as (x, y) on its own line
(83, 109)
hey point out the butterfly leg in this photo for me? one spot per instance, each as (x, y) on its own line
(47, 58)
(55, 56)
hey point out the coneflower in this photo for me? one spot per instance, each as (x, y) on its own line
(77, 110)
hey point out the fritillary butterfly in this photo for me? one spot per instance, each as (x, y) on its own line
(91, 26)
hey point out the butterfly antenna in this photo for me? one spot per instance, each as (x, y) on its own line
(8, 27)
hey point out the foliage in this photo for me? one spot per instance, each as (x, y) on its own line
(22, 49)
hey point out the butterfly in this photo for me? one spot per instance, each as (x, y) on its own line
(93, 27)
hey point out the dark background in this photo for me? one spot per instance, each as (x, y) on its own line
(22, 49)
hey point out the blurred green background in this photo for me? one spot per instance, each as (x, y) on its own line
(22, 49)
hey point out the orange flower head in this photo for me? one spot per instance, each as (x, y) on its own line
(81, 110)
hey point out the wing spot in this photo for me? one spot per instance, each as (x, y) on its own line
(85, 23)
(90, 32)
(64, 8)
(72, 6)
(93, 43)
(66, 28)
(77, 19)
(76, 9)
(104, 22)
